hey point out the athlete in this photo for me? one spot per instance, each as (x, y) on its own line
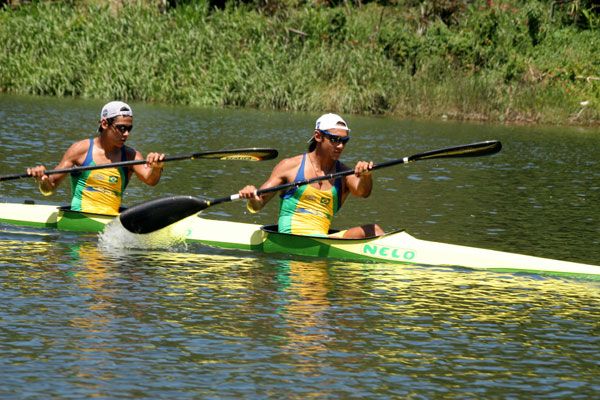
(309, 209)
(100, 191)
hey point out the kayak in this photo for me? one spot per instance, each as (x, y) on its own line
(396, 247)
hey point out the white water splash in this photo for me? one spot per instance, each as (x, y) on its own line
(115, 236)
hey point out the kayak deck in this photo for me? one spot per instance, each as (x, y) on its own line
(52, 216)
(396, 247)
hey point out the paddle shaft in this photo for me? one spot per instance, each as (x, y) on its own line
(469, 150)
(252, 154)
(160, 213)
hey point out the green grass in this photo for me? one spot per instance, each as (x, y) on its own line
(513, 62)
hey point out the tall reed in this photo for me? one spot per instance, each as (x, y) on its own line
(500, 63)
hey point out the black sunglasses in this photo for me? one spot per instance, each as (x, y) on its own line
(124, 128)
(335, 139)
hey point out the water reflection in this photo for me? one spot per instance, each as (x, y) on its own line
(488, 331)
(194, 322)
(94, 314)
(304, 289)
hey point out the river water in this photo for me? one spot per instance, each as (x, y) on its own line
(78, 320)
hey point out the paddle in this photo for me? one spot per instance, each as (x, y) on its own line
(157, 214)
(251, 154)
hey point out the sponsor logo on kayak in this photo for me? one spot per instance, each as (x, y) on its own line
(389, 252)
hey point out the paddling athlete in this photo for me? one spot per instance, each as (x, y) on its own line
(309, 209)
(100, 191)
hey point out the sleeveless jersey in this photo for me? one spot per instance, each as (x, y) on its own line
(98, 191)
(307, 210)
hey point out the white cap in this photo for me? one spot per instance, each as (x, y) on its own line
(114, 109)
(331, 121)
(325, 122)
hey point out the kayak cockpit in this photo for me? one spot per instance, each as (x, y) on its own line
(273, 228)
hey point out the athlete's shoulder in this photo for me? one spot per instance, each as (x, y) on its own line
(286, 169)
(291, 162)
(78, 148)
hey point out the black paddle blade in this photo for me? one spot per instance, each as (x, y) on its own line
(160, 213)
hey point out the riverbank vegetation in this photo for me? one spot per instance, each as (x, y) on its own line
(497, 61)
